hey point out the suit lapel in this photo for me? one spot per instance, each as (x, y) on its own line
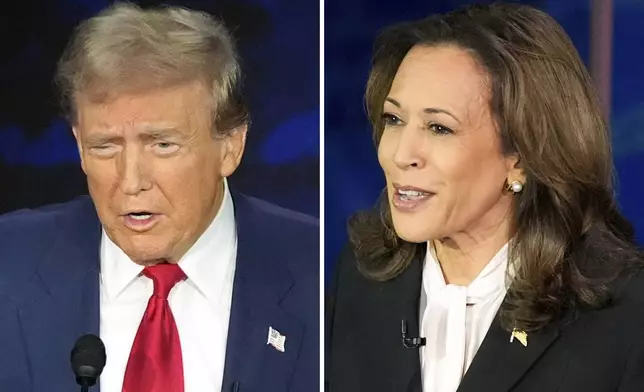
(409, 358)
(63, 300)
(262, 281)
(398, 300)
(499, 364)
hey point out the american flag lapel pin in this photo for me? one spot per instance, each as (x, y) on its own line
(276, 339)
(521, 336)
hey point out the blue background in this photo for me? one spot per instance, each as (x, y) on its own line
(279, 45)
(353, 179)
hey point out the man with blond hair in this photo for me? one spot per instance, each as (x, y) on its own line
(190, 285)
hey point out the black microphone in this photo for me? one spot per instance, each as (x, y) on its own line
(88, 360)
(407, 341)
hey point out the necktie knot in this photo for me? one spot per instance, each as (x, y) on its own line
(164, 276)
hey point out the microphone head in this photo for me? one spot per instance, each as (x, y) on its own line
(88, 359)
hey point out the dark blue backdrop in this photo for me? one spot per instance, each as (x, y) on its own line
(352, 176)
(279, 44)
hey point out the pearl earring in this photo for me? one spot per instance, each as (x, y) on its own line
(515, 186)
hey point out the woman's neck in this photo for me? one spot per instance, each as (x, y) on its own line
(462, 257)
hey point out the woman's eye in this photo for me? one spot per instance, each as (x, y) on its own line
(439, 129)
(390, 119)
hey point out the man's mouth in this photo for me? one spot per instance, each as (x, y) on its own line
(143, 215)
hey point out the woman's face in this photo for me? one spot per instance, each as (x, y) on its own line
(440, 149)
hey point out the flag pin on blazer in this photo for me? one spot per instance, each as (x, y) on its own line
(276, 339)
(521, 336)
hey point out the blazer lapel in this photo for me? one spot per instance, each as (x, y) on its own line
(62, 300)
(499, 364)
(408, 360)
(260, 288)
(397, 301)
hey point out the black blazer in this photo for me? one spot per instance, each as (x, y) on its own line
(601, 351)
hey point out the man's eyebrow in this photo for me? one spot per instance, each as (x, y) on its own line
(157, 133)
(102, 138)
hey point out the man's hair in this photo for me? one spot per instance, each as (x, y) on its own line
(127, 49)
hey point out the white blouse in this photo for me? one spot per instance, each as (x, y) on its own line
(455, 319)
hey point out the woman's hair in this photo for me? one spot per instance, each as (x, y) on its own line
(547, 113)
(126, 49)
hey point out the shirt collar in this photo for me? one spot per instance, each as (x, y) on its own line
(118, 271)
(208, 264)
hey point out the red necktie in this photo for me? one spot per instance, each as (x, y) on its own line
(155, 363)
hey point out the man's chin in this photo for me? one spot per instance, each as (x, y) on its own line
(148, 255)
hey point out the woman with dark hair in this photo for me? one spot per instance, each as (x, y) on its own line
(497, 259)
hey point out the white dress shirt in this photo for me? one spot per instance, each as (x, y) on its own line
(455, 319)
(200, 304)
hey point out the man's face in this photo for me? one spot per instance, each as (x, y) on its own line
(154, 170)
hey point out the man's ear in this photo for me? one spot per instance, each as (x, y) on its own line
(234, 145)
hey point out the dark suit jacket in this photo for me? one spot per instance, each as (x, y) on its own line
(602, 351)
(49, 296)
